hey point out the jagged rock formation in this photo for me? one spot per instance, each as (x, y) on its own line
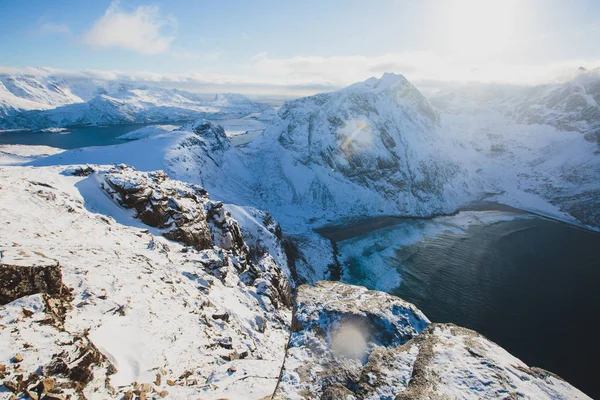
(185, 213)
(351, 343)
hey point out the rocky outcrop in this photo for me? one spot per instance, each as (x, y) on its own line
(213, 134)
(335, 330)
(352, 343)
(44, 368)
(23, 273)
(186, 214)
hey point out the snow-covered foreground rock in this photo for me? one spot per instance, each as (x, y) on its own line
(336, 328)
(351, 343)
(28, 102)
(141, 313)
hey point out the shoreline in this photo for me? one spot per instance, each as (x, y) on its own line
(338, 232)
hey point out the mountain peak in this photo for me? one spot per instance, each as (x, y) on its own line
(388, 80)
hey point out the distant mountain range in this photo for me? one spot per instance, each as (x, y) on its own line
(28, 102)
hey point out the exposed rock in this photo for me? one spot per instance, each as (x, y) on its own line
(186, 214)
(45, 385)
(78, 365)
(161, 203)
(23, 273)
(337, 392)
(83, 171)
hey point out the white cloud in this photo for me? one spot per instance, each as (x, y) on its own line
(49, 28)
(140, 30)
(343, 70)
(299, 76)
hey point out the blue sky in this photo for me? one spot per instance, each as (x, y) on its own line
(300, 44)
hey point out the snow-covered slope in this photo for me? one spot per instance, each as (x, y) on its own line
(36, 103)
(29, 93)
(129, 310)
(572, 105)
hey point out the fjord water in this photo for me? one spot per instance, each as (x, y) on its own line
(528, 283)
(85, 136)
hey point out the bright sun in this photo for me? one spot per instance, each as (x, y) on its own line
(478, 29)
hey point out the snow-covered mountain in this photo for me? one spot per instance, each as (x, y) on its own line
(19, 92)
(573, 105)
(37, 103)
(374, 147)
(536, 146)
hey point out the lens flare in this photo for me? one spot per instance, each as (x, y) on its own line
(349, 341)
(355, 133)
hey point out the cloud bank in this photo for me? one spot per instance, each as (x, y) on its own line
(301, 75)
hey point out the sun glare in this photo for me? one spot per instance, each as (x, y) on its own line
(478, 29)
